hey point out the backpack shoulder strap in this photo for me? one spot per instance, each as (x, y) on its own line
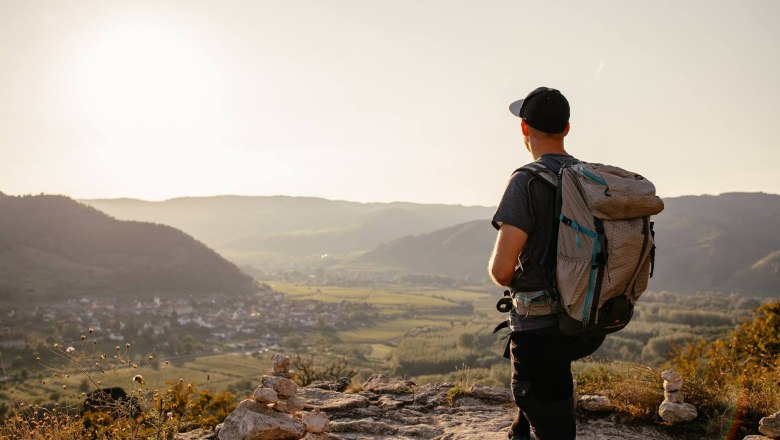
(540, 171)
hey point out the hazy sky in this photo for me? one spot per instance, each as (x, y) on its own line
(379, 100)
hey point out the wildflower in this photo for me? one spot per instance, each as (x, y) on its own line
(37, 358)
(91, 330)
(64, 387)
(170, 415)
(83, 337)
(127, 345)
(151, 357)
(116, 348)
(138, 378)
(56, 345)
(70, 349)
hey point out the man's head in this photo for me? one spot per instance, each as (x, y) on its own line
(544, 109)
(545, 120)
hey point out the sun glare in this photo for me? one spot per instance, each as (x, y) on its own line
(142, 78)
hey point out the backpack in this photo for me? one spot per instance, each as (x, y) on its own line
(605, 245)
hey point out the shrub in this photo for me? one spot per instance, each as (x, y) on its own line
(736, 377)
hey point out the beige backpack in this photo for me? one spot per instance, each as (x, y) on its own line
(605, 244)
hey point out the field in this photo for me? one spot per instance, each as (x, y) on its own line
(424, 334)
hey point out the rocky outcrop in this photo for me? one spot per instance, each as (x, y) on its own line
(673, 409)
(275, 412)
(388, 408)
(770, 425)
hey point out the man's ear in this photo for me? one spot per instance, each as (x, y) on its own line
(524, 126)
(566, 131)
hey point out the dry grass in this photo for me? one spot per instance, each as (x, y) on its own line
(636, 390)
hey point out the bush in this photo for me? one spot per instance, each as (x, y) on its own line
(736, 377)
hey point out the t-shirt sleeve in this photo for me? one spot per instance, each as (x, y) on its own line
(514, 208)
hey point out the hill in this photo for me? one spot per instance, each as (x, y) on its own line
(726, 243)
(54, 247)
(248, 229)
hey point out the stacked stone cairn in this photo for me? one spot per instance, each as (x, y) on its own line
(673, 409)
(274, 412)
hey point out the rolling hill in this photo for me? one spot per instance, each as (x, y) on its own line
(726, 243)
(54, 247)
(719, 243)
(245, 229)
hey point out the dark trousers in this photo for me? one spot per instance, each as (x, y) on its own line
(542, 382)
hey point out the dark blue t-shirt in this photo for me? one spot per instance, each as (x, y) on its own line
(529, 204)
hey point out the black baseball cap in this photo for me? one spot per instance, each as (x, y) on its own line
(544, 109)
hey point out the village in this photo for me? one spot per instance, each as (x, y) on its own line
(173, 326)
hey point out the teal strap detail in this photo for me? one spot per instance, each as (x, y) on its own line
(577, 227)
(593, 177)
(528, 298)
(591, 282)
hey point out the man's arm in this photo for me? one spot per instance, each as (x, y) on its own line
(509, 242)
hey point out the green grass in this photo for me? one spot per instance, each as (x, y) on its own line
(380, 352)
(406, 297)
(386, 331)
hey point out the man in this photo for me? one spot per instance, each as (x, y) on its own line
(524, 260)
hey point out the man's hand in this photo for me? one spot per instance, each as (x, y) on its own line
(510, 241)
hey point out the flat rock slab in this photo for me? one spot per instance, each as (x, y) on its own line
(494, 395)
(330, 401)
(432, 394)
(381, 384)
(365, 427)
(604, 429)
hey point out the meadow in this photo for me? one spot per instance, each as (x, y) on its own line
(424, 334)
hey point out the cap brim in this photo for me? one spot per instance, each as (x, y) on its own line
(515, 107)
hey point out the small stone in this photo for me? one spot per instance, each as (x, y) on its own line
(283, 386)
(770, 425)
(673, 396)
(672, 380)
(677, 412)
(281, 407)
(294, 404)
(265, 395)
(315, 422)
(596, 403)
(281, 363)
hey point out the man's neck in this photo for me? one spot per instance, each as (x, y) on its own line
(539, 149)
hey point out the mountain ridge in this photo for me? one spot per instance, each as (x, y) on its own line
(55, 247)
